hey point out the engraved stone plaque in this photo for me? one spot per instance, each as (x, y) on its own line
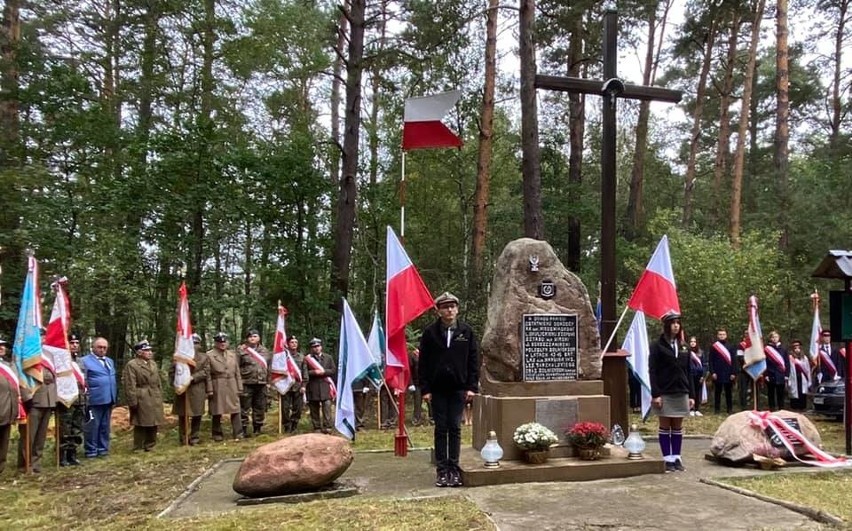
(558, 415)
(549, 347)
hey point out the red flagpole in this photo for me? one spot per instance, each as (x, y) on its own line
(400, 447)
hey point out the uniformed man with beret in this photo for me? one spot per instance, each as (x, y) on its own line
(254, 371)
(293, 401)
(141, 379)
(318, 374)
(71, 418)
(200, 388)
(227, 387)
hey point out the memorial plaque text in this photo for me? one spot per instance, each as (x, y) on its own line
(549, 347)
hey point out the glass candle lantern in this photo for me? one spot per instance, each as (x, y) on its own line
(634, 443)
(492, 452)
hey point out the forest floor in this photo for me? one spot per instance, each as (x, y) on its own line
(130, 490)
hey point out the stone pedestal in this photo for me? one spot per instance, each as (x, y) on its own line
(504, 406)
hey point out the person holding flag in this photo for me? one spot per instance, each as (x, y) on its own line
(72, 418)
(11, 409)
(799, 380)
(723, 371)
(254, 371)
(318, 373)
(293, 401)
(192, 401)
(672, 389)
(449, 377)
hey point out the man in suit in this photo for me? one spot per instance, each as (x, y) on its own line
(99, 372)
(318, 375)
(723, 370)
(832, 364)
(777, 370)
(39, 407)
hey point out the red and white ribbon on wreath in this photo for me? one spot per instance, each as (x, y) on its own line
(785, 432)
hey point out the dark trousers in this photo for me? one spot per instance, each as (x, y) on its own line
(38, 420)
(635, 389)
(801, 403)
(388, 405)
(144, 438)
(292, 404)
(194, 429)
(236, 426)
(97, 431)
(253, 402)
(360, 399)
(418, 407)
(744, 382)
(717, 395)
(447, 410)
(696, 381)
(315, 406)
(5, 433)
(776, 394)
(71, 421)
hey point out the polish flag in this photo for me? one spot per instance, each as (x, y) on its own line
(406, 299)
(816, 329)
(656, 292)
(423, 128)
(55, 346)
(284, 372)
(184, 355)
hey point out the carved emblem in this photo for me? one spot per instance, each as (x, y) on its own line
(547, 289)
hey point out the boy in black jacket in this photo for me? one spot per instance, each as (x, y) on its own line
(449, 377)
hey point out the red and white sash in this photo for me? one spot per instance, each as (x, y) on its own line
(787, 434)
(78, 374)
(696, 359)
(9, 374)
(722, 350)
(310, 360)
(775, 356)
(825, 357)
(47, 362)
(256, 356)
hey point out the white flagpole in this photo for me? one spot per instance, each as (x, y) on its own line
(402, 200)
(614, 331)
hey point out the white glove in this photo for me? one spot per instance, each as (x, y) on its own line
(411, 388)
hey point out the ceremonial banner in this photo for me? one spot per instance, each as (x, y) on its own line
(55, 346)
(754, 356)
(27, 350)
(354, 362)
(636, 343)
(376, 341)
(184, 355)
(656, 292)
(423, 127)
(285, 373)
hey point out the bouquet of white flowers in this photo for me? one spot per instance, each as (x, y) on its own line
(534, 436)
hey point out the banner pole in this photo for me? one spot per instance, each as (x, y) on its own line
(56, 434)
(614, 331)
(402, 200)
(280, 412)
(186, 416)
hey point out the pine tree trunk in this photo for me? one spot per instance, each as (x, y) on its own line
(486, 131)
(576, 132)
(346, 200)
(336, 82)
(836, 83)
(720, 163)
(748, 85)
(531, 164)
(782, 121)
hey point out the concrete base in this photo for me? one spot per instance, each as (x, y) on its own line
(335, 490)
(474, 473)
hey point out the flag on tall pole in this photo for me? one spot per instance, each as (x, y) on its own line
(376, 341)
(656, 292)
(184, 355)
(754, 357)
(423, 126)
(354, 361)
(27, 349)
(816, 329)
(55, 345)
(636, 343)
(407, 298)
(284, 371)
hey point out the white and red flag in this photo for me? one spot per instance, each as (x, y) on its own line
(56, 354)
(406, 299)
(423, 128)
(285, 373)
(816, 329)
(754, 357)
(656, 292)
(184, 355)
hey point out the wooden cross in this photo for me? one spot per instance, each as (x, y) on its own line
(611, 88)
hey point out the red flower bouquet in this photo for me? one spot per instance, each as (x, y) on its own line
(587, 435)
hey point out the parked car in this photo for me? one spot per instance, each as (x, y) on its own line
(830, 399)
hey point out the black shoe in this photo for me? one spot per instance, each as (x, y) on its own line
(443, 479)
(72, 458)
(670, 467)
(257, 429)
(455, 479)
(218, 437)
(63, 458)
(678, 465)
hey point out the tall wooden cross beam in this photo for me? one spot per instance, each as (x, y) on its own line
(611, 88)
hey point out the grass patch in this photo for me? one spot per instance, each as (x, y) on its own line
(828, 491)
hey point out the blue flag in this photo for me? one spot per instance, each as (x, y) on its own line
(27, 347)
(354, 362)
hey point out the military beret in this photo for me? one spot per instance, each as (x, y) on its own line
(220, 336)
(315, 341)
(252, 332)
(826, 332)
(446, 298)
(142, 345)
(292, 338)
(196, 339)
(74, 336)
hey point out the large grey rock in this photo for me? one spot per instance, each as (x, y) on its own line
(514, 292)
(738, 440)
(295, 464)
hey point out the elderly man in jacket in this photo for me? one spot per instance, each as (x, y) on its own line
(141, 379)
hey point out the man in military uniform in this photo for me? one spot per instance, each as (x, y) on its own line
(227, 387)
(200, 388)
(141, 380)
(318, 374)
(293, 401)
(254, 371)
(9, 400)
(71, 418)
(39, 407)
